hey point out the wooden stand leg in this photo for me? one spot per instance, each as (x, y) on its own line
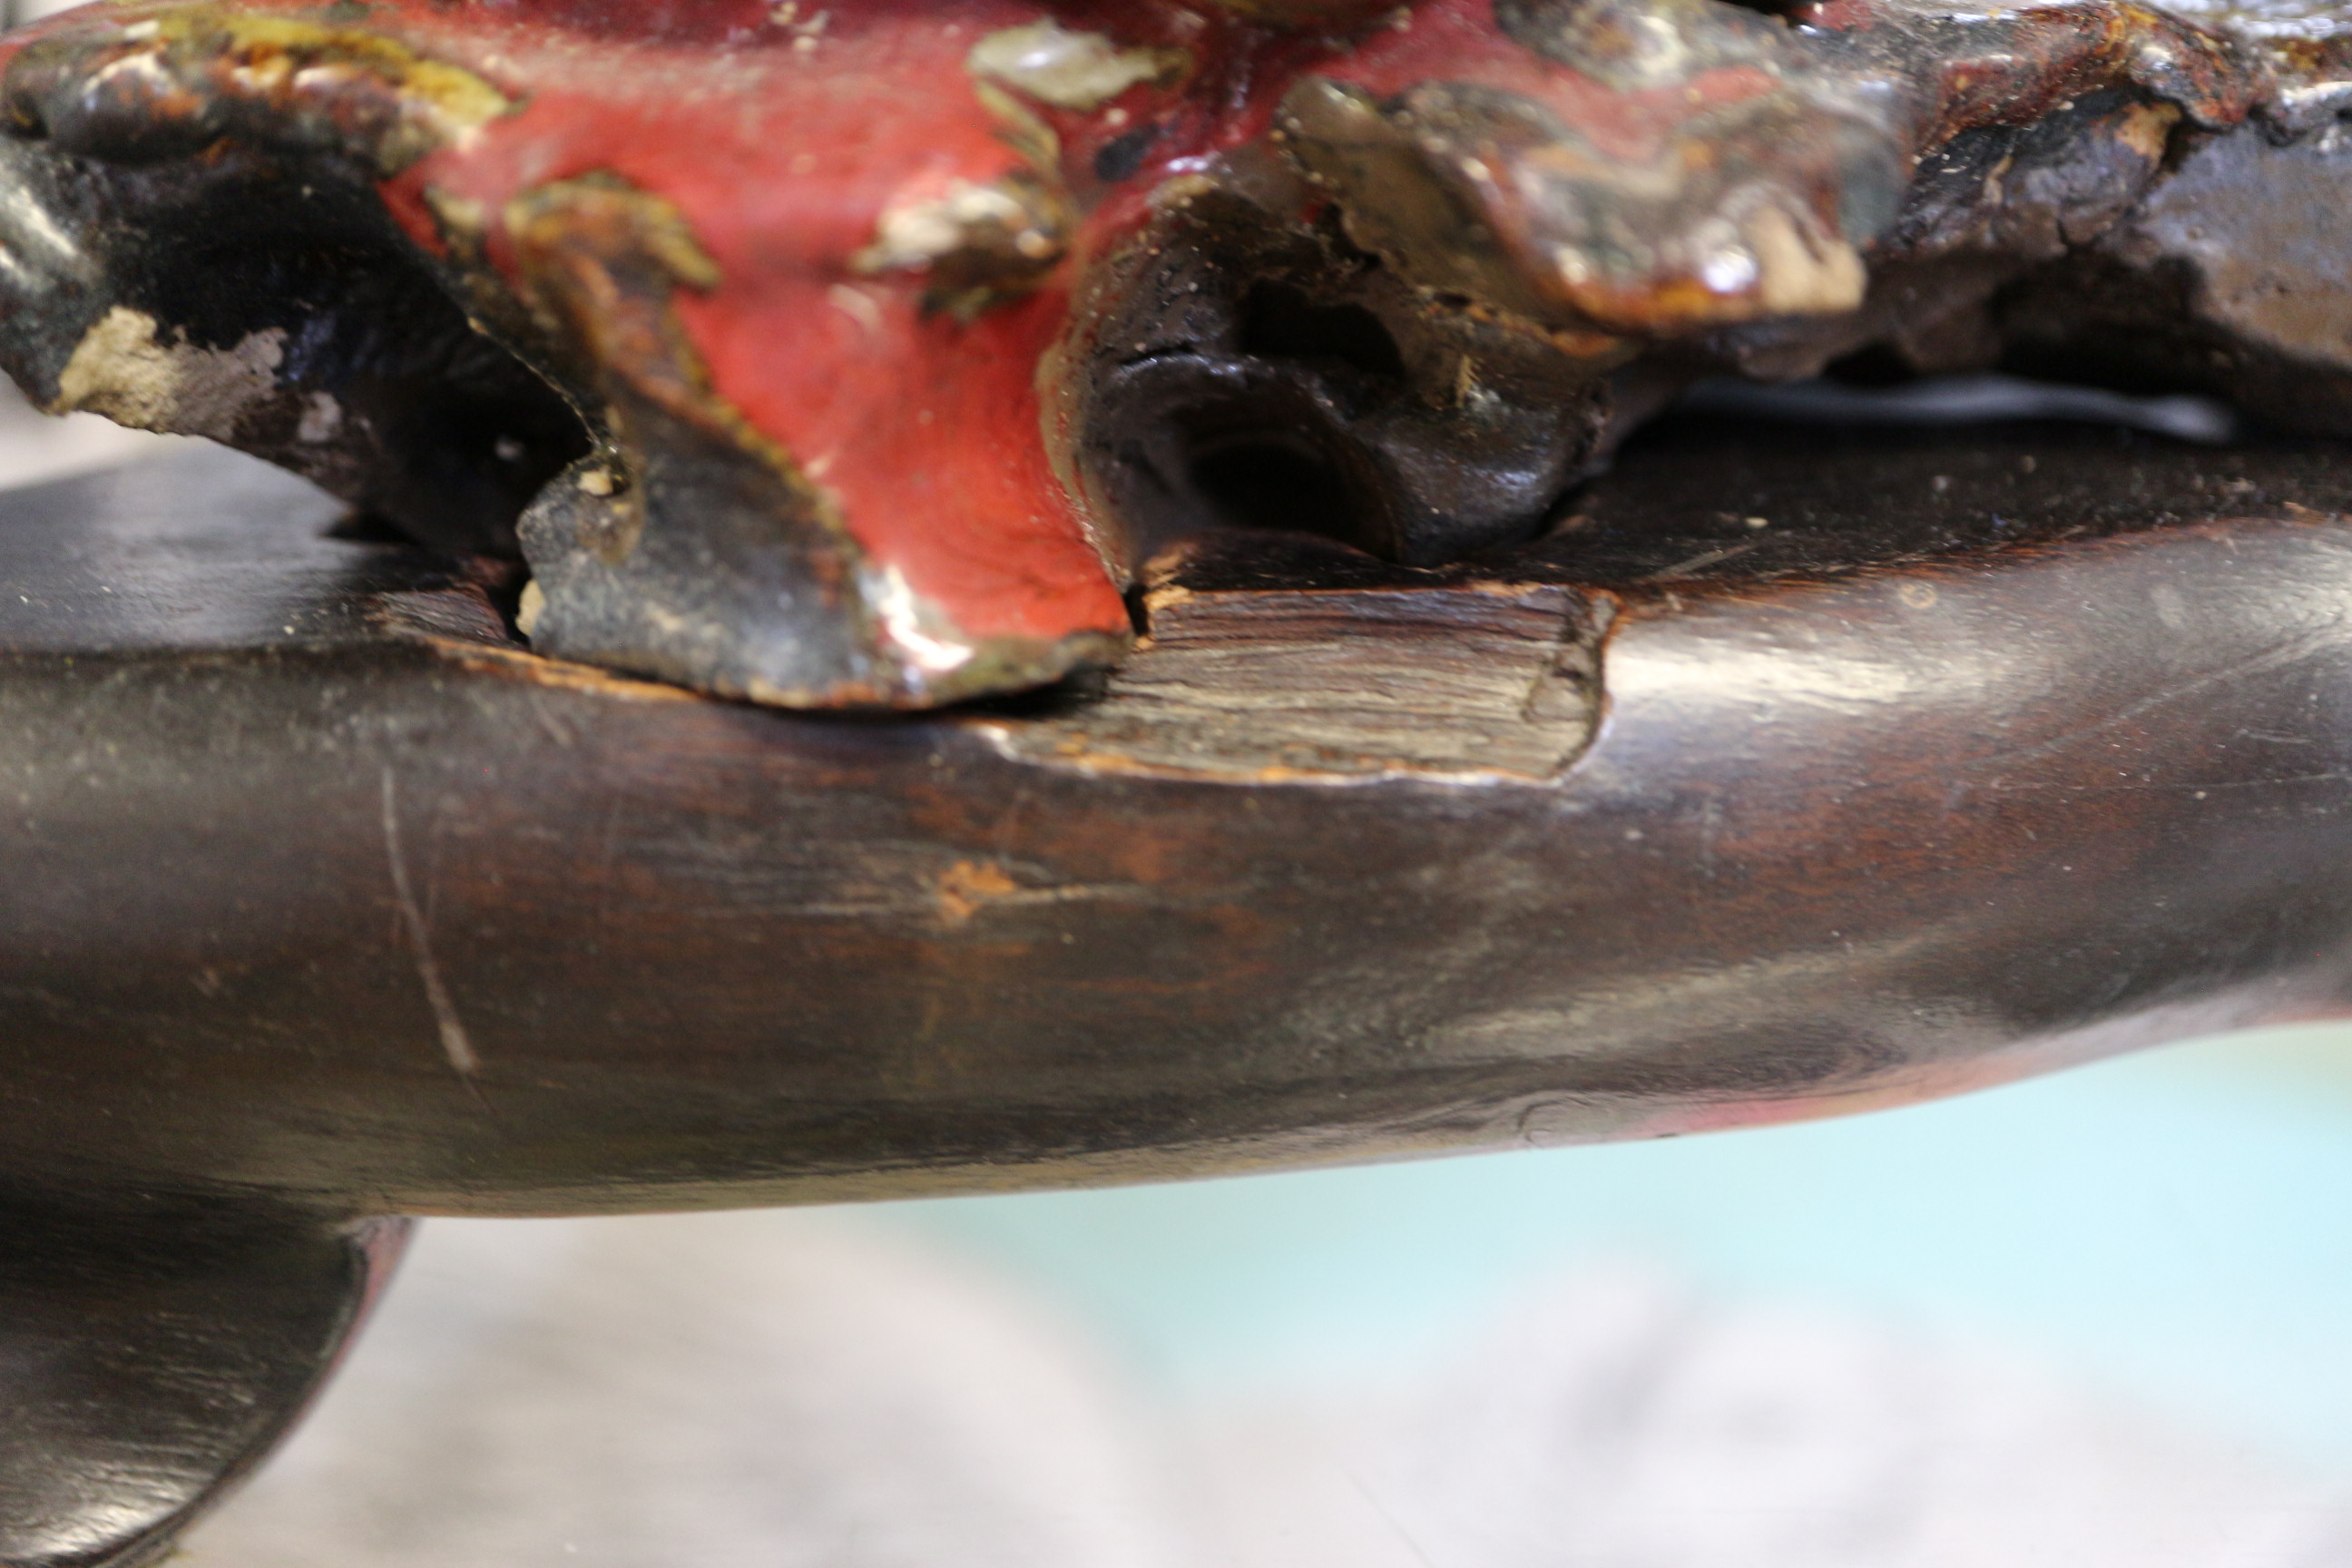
(151, 1353)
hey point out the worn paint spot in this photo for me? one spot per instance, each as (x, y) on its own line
(532, 606)
(968, 885)
(1052, 63)
(1799, 272)
(322, 416)
(2146, 129)
(124, 369)
(979, 243)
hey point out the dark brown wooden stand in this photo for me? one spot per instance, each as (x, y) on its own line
(324, 899)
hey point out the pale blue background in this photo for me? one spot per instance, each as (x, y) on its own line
(2174, 1226)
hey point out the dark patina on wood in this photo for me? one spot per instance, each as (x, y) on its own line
(1957, 757)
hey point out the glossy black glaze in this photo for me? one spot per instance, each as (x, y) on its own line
(433, 426)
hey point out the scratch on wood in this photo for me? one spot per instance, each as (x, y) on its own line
(969, 887)
(481, 658)
(453, 1041)
(1700, 562)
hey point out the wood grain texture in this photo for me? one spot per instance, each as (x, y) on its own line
(1484, 680)
(321, 895)
(153, 1353)
(377, 914)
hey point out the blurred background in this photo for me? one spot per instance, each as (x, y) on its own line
(2099, 1319)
